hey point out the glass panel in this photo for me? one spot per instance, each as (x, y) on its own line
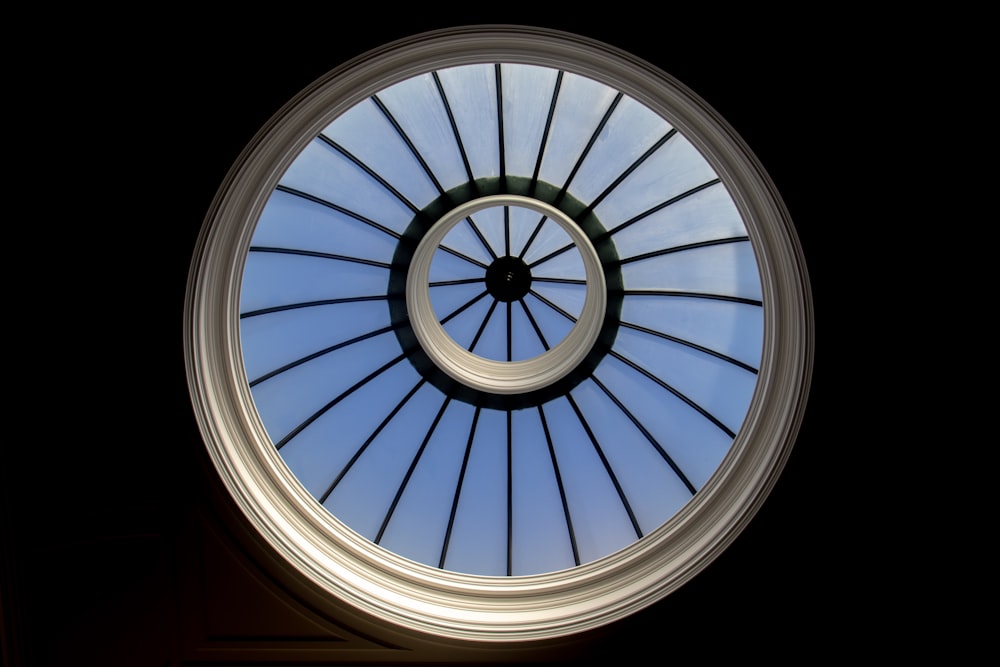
(541, 538)
(719, 387)
(729, 269)
(417, 107)
(364, 131)
(417, 528)
(582, 102)
(692, 441)
(600, 521)
(289, 221)
(675, 168)
(479, 536)
(653, 490)
(631, 131)
(471, 92)
(323, 172)
(730, 328)
(363, 497)
(703, 216)
(527, 94)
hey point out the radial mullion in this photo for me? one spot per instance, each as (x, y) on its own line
(559, 484)
(692, 295)
(534, 324)
(321, 255)
(590, 144)
(347, 392)
(458, 486)
(340, 209)
(607, 465)
(506, 231)
(371, 172)
(545, 133)
(320, 353)
(690, 344)
(682, 248)
(659, 207)
(562, 281)
(482, 327)
(460, 255)
(409, 471)
(312, 304)
(454, 127)
(500, 135)
(510, 333)
(459, 281)
(406, 139)
(700, 410)
(371, 439)
(649, 436)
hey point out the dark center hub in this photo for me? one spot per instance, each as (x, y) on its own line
(508, 278)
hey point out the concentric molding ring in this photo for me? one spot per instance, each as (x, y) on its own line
(501, 377)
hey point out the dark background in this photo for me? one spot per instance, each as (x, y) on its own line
(117, 547)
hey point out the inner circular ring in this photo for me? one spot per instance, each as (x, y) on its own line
(504, 377)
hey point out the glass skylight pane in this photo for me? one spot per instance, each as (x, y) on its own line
(305, 279)
(600, 521)
(416, 105)
(527, 94)
(493, 342)
(526, 343)
(721, 388)
(462, 238)
(522, 224)
(631, 131)
(323, 172)
(490, 223)
(364, 496)
(541, 540)
(692, 441)
(552, 237)
(272, 340)
(446, 266)
(287, 400)
(568, 297)
(553, 324)
(674, 169)
(734, 329)
(653, 489)
(703, 216)
(463, 327)
(729, 269)
(293, 222)
(366, 133)
(479, 537)
(417, 528)
(323, 450)
(471, 92)
(581, 105)
(565, 265)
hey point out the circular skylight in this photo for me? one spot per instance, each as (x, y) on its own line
(498, 333)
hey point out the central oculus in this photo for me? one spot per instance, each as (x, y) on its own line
(508, 279)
